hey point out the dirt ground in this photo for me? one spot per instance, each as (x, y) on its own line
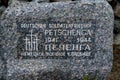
(115, 73)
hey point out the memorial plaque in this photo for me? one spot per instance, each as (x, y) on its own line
(57, 41)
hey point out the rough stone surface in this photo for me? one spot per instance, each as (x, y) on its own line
(99, 14)
(1, 68)
(39, 1)
(11, 2)
(2, 9)
(60, 0)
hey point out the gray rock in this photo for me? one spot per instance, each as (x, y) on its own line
(2, 9)
(40, 1)
(14, 2)
(18, 1)
(57, 30)
(1, 69)
(2, 63)
(60, 0)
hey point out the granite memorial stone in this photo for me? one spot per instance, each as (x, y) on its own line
(40, 1)
(57, 41)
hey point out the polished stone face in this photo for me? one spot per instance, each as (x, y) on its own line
(51, 39)
(54, 40)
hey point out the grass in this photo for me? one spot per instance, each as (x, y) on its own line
(87, 77)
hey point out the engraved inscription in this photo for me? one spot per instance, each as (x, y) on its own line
(31, 42)
(55, 40)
